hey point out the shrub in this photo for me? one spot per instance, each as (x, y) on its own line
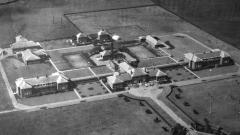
(148, 111)
(195, 112)
(165, 129)
(186, 104)
(141, 103)
(157, 120)
(177, 96)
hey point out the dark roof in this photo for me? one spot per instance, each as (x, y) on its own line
(156, 72)
(136, 72)
(125, 77)
(152, 62)
(78, 74)
(209, 55)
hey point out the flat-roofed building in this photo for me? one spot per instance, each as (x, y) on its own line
(42, 85)
(22, 44)
(214, 58)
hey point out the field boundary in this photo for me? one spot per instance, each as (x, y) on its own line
(145, 101)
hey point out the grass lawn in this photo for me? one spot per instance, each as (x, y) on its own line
(217, 71)
(5, 101)
(102, 70)
(141, 52)
(179, 74)
(51, 98)
(157, 61)
(16, 69)
(70, 58)
(225, 102)
(55, 44)
(91, 89)
(182, 45)
(105, 117)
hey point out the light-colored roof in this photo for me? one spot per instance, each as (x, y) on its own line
(114, 79)
(40, 52)
(216, 53)
(20, 82)
(27, 55)
(125, 66)
(105, 53)
(30, 82)
(25, 44)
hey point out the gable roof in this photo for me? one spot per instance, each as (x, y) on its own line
(30, 82)
(136, 72)
(216, 53)
(27, 55)
(114, 80)
(105, 53)
(25, 44)
(40, 52)
(125, 66)
(156, 73)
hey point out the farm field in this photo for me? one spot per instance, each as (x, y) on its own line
(89, 89)
(40, 20)
(70, 58)
(90, 22)
(111, 116)
(179, 74)
(215, 101)
(15, 69)
(47, 99)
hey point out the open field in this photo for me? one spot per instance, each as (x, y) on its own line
(147, 18)
(5, 101)
(16, 69)
(218, 17)
(71, 58)
(47, 99)
(181, 45)
(141, 52)
(179, 74)
(40, 20)
(217, 101)
(91, 89)
(55, 44)
(112, 116)
(217, 71)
